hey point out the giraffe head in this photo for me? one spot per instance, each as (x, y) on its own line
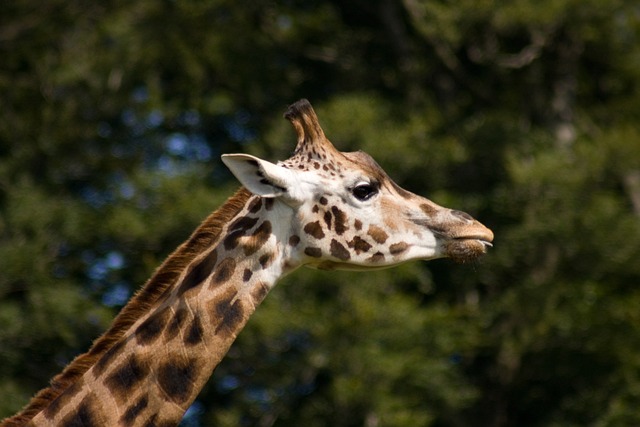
(346, 213)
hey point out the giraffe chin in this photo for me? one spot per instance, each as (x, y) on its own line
(465, 250)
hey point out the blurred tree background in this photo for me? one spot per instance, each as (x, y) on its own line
(524, 113)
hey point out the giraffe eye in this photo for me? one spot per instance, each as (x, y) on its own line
(364, 191)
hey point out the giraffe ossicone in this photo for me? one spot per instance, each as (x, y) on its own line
(320, 208)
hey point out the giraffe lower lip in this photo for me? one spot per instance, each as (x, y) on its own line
(464, 249)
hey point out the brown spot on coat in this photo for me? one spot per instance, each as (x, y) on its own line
(357, 224)
(151, 328)
(339, 251)
(246, 276)
(195, 334)
(428, 209)
(259, 292)
(359, 245)
(268, 203)
(177, 379)
(266, 260)
(313, 252)
(237, 229)
(294, 240)
(255, 205)
(398, 248)
(244, 223)
(323, 201)
(229, 313)
(258, 238)
(84, 416)
(224, 271)
(132, 412)
(376, 258)
(314, 229)
(377, 234)
(199, 273)
(340, 220)
(154, 421)
(108, 357)
(125, 377)
(327, 219)
(52, 410)
(232, 239)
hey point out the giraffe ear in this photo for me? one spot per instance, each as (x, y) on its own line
(259, 176)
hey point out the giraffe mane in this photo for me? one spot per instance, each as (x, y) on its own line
(162, 280)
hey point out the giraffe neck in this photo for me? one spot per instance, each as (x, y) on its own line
(154, 371)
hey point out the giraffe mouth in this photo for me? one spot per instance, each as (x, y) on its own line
(483, 240)
(465, 250)
(468, 248)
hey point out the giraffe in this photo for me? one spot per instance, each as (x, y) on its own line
(320, 208)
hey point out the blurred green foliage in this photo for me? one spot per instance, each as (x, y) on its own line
(523, 113)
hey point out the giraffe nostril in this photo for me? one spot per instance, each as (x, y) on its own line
(462, 215)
